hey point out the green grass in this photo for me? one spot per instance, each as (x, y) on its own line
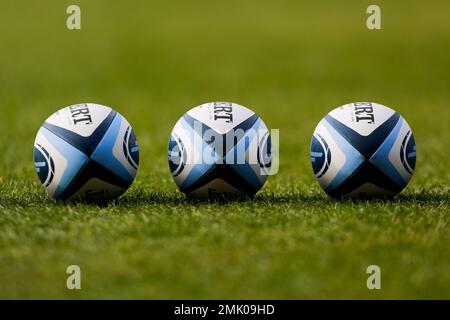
(288, 61)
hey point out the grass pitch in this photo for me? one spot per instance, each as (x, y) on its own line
(289, 62)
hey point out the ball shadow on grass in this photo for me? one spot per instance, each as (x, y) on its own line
(143, 197)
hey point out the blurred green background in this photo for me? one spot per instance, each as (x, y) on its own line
(289, 61)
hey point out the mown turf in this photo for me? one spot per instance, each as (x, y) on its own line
(288, 61)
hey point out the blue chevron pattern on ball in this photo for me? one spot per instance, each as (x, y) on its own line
(86, 152)
(220, 149)
(363, 149)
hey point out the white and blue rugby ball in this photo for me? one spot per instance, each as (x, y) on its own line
(86, 152)
(220, 150)
(363, 149)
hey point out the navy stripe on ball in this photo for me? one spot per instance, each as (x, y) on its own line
(248, 123)
(88, 144)
(366, 145)
(226, 173)
(194, 124)
(366, 173)
(244, 126)
(92, 170)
